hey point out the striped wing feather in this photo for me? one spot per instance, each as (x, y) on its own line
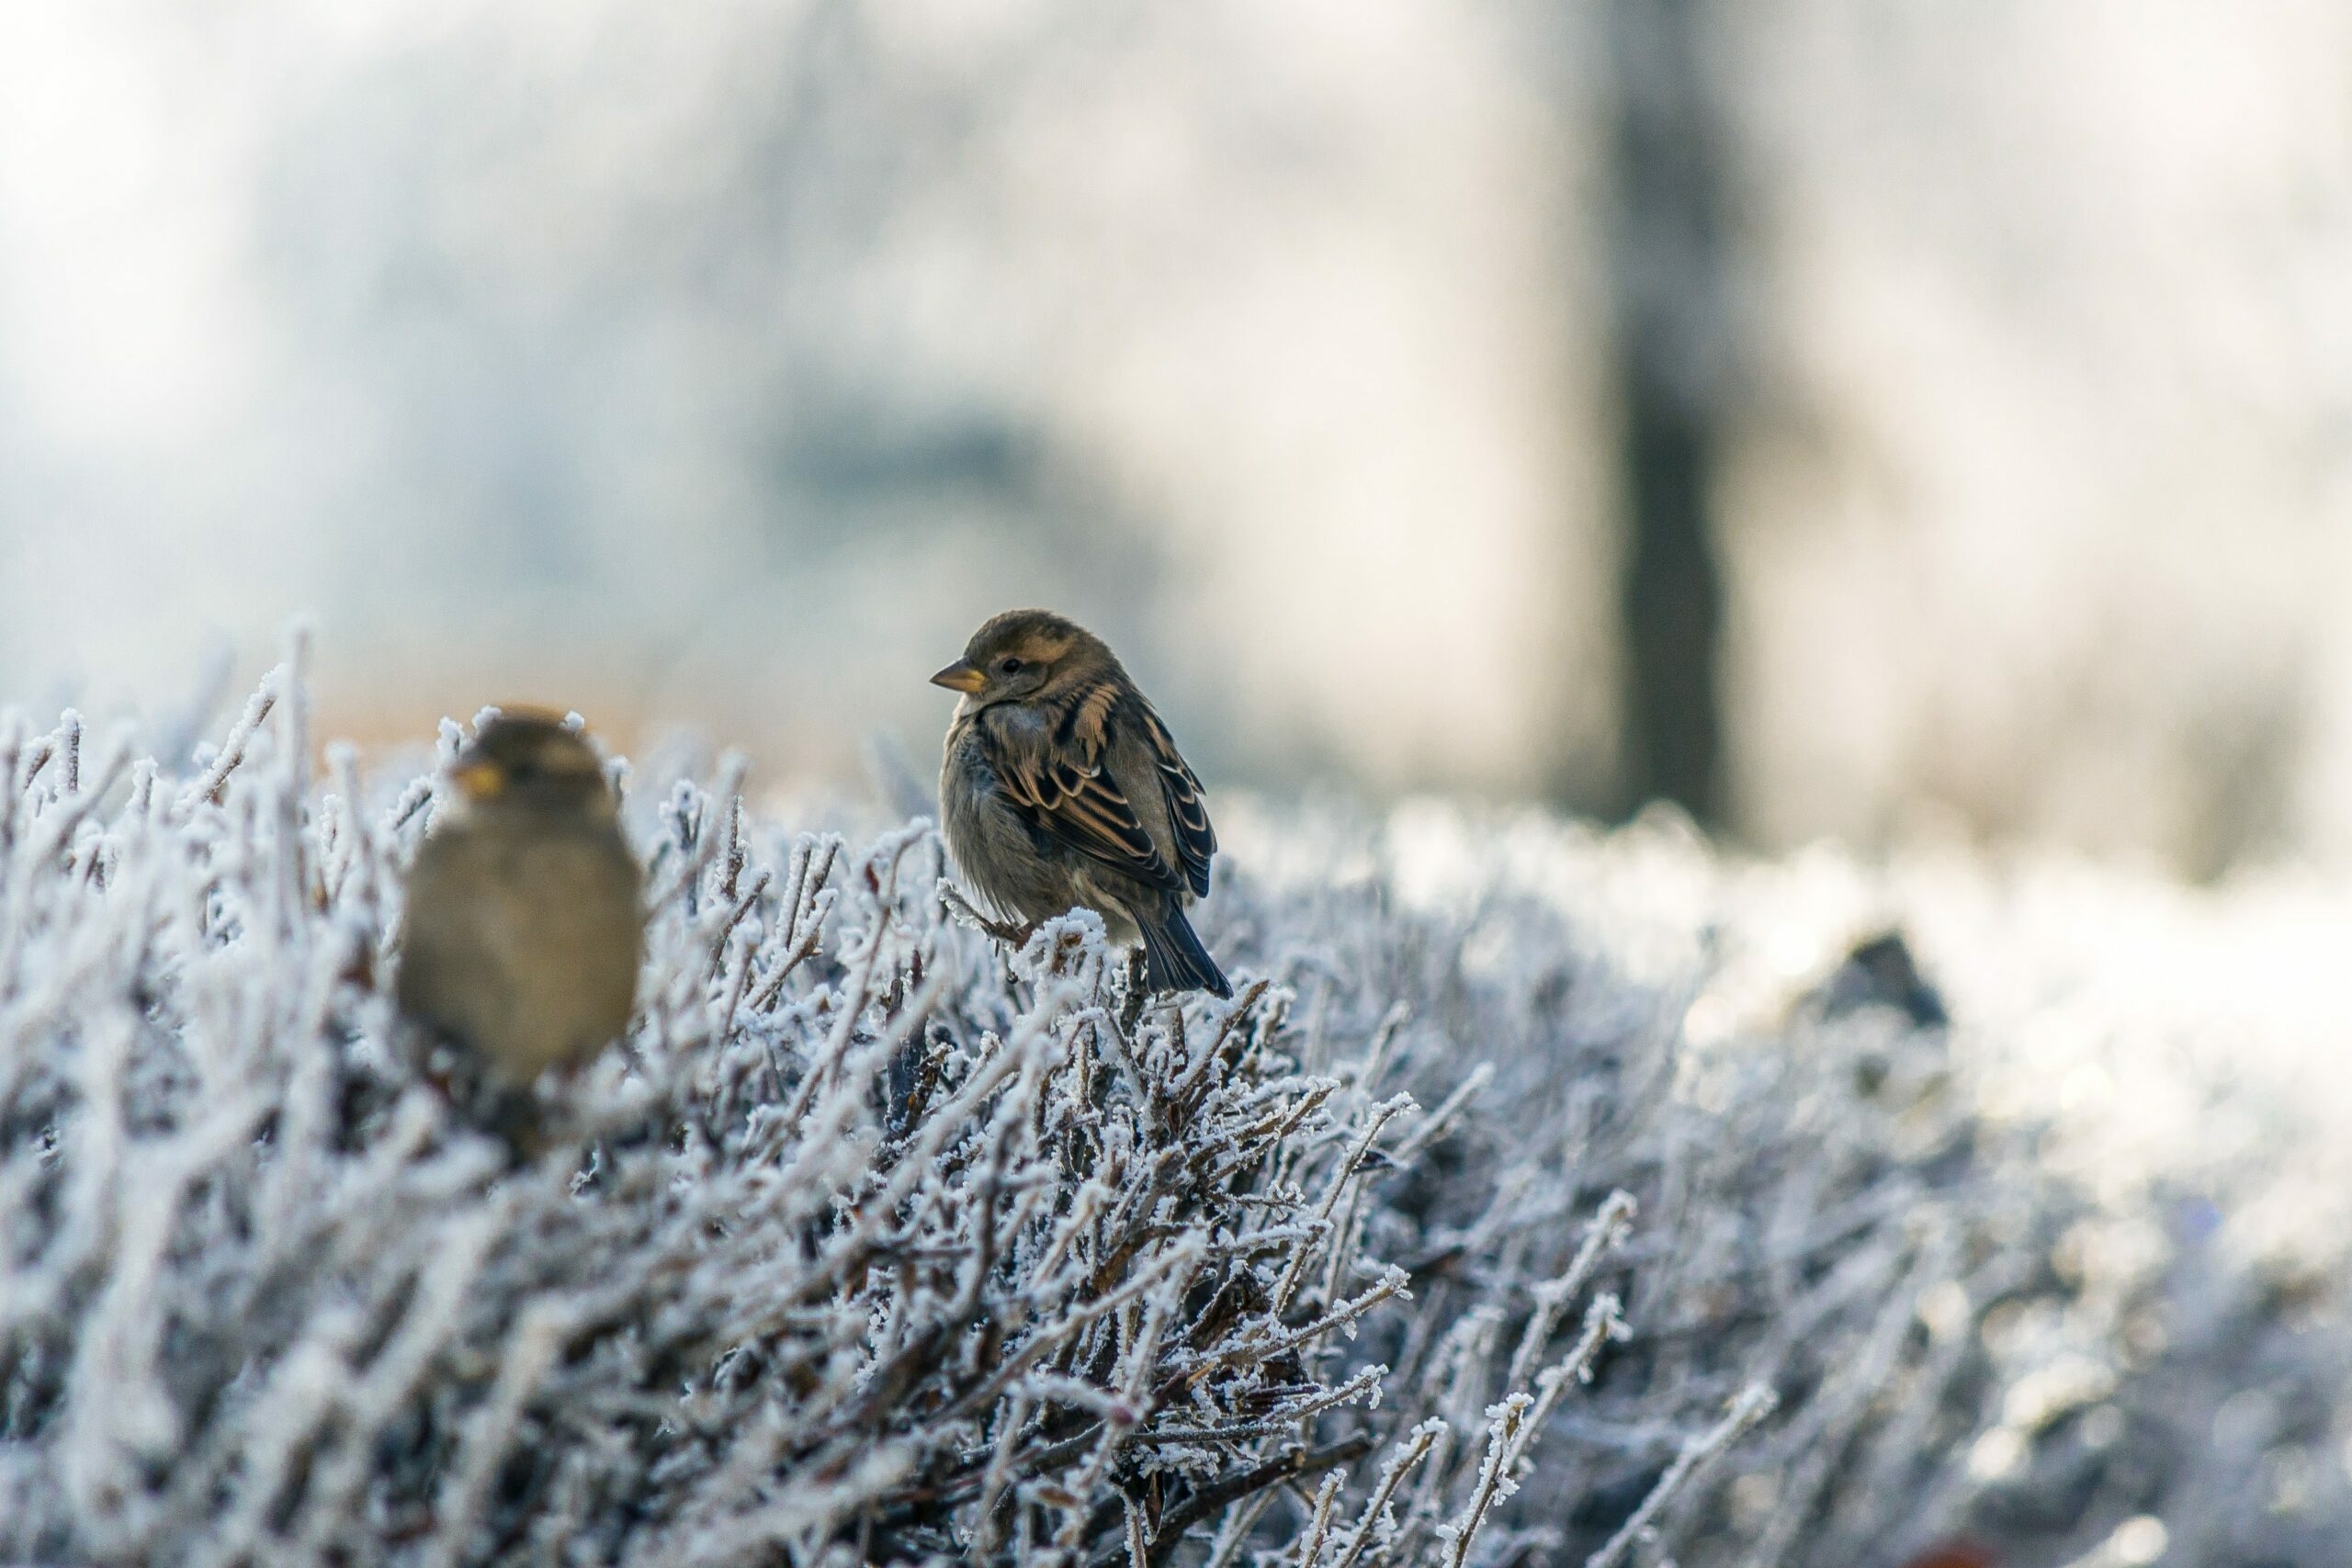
(1195, 840)
(1068, 792)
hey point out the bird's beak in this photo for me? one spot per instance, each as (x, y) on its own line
(960, 677)
(479, 781)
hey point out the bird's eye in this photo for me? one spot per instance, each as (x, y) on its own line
(1008, 665)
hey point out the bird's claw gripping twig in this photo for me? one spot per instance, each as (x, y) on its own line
(1011, 935)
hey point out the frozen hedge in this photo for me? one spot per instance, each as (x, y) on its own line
(1470, 1232)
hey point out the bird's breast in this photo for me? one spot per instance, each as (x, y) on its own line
(1007, 860)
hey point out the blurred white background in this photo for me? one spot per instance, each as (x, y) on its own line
(726, 363)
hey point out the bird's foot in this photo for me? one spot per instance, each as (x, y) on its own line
(1013, 935)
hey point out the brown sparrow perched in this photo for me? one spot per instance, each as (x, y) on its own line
(523, 931)
(1061, 789)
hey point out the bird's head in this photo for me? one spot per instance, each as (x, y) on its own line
(532, 761)
(1021, 653)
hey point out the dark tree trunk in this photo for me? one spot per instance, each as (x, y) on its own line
(1675, 346)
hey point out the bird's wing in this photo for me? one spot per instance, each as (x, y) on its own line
(1065, 788)
(1188, 814)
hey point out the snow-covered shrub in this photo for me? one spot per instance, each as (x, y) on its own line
(1459, 1235)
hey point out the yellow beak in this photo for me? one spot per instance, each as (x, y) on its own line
(960, 677)
(479, 781)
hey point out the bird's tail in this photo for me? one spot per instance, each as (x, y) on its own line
(1174, 959)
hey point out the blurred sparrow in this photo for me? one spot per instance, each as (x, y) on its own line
(1061, 788)
(523, 931)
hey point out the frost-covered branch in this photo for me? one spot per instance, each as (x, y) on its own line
(872, 1241)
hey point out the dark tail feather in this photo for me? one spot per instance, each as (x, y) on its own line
(1173, 958)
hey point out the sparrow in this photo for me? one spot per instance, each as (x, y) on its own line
(524, 927)
(1062, 789)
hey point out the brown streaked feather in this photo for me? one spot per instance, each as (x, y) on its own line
(1085, 721)
(1187, 812)
(1066, 790)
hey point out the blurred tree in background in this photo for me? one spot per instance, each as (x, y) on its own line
(1675, 357)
